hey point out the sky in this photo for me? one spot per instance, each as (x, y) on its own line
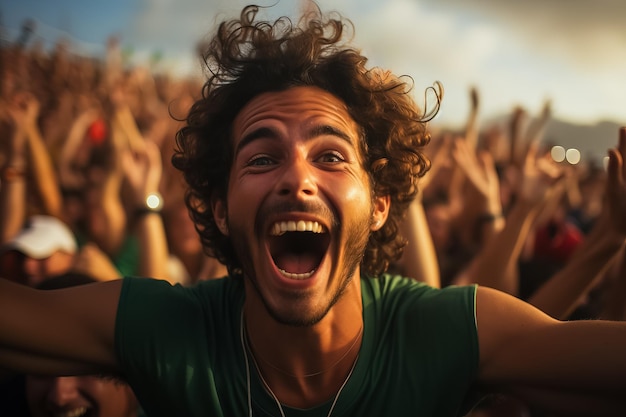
(516, 53)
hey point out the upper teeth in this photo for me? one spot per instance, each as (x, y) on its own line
(280, 228)
(72, 413)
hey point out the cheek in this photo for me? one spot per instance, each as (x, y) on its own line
(355, 194)
(244, 199)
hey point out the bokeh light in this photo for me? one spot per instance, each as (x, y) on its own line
(558, 153)
(573, 156)
(153, 201)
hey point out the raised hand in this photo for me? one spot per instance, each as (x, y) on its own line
(481, 174)
(142, 169)
(474, 99)
(13, 135)
(614, 210)
(539, 176)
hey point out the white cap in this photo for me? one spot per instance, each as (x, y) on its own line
(42, 236)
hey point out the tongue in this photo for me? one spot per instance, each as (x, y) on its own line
(300, 263)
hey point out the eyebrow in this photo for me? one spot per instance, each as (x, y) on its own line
(263, 132)
(320, 130)
(316, 131)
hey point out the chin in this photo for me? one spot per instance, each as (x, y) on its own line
(301, 311)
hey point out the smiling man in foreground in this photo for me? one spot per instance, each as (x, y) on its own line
(300, 164)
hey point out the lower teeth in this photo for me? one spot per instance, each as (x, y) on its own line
(296, 276)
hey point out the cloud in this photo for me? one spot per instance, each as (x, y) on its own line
(515, 52)
(518, 53)
(176, 27)
(429, 45)
(583, 32)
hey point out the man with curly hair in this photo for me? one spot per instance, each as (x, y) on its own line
(300, 164)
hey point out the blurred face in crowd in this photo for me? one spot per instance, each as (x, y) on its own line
(31, 271)
(84, 396)
(36, 270)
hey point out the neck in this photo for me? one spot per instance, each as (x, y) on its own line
(306, 366)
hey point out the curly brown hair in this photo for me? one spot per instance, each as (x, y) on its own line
(247, 57)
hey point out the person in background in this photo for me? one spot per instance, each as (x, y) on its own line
(67, 396)
(45, 247)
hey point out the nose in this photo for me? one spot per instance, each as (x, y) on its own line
(63, 391)
(298, 178)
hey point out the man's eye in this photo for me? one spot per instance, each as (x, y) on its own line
(331, 157)
(260, 160)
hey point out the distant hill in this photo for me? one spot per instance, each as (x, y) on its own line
(592, 141)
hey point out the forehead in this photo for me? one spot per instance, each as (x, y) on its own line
(297, 107)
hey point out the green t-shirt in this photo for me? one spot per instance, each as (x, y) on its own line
(181, 350)
(126, 261)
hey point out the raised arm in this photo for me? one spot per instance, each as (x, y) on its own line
(472, 126)
(469, 140)
(13, 173)
(495, 265)
(44, 176)
(142, 171)
(60, 332)
(419, 259)
(536, 130)
(558, 296)
(614, 307)
(481, 217)
(69, 178)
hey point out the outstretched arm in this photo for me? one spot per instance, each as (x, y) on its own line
(549, 363)
(58, 332)
(526, 352)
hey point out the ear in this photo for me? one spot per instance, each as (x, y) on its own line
(380, 212)
(220, 214)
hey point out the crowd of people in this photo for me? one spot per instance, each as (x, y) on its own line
(88, 189)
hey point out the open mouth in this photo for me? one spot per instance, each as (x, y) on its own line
(298, 247)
